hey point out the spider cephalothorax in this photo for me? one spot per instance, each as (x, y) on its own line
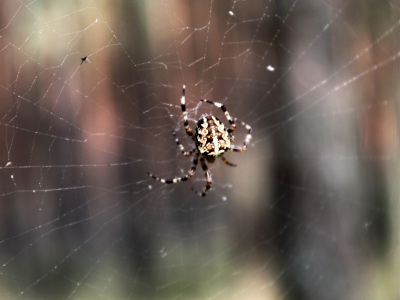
(212, 139)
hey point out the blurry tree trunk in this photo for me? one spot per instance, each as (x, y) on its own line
(330, 192)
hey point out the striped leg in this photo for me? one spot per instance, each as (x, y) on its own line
(231, 121)
(181, 147)
(184, 112)
(183, 178)
(227, 162)
(246, 140)
(208, 178)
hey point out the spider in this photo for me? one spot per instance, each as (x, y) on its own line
(212, 139)
(83, 59)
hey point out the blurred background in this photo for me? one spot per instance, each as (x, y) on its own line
(311, 210)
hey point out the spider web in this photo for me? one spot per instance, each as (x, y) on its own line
(311, 210)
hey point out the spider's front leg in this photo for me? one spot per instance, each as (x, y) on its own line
(208, 178)
(227, 162)
(183, 178)
(185, 115)
(226, 113)
(181, 147)
(246, 140)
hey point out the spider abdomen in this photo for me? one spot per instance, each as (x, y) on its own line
(212, 138)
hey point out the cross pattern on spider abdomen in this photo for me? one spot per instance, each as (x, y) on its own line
(212, 139)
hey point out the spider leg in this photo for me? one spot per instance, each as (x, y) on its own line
(246, 140)
(184, 112)
(208, 178)
(181, 147)
(227, 115)
(183, 178)
(227, 162)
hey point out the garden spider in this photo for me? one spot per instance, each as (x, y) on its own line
(212, 140)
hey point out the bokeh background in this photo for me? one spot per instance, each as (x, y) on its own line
(310, 212)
